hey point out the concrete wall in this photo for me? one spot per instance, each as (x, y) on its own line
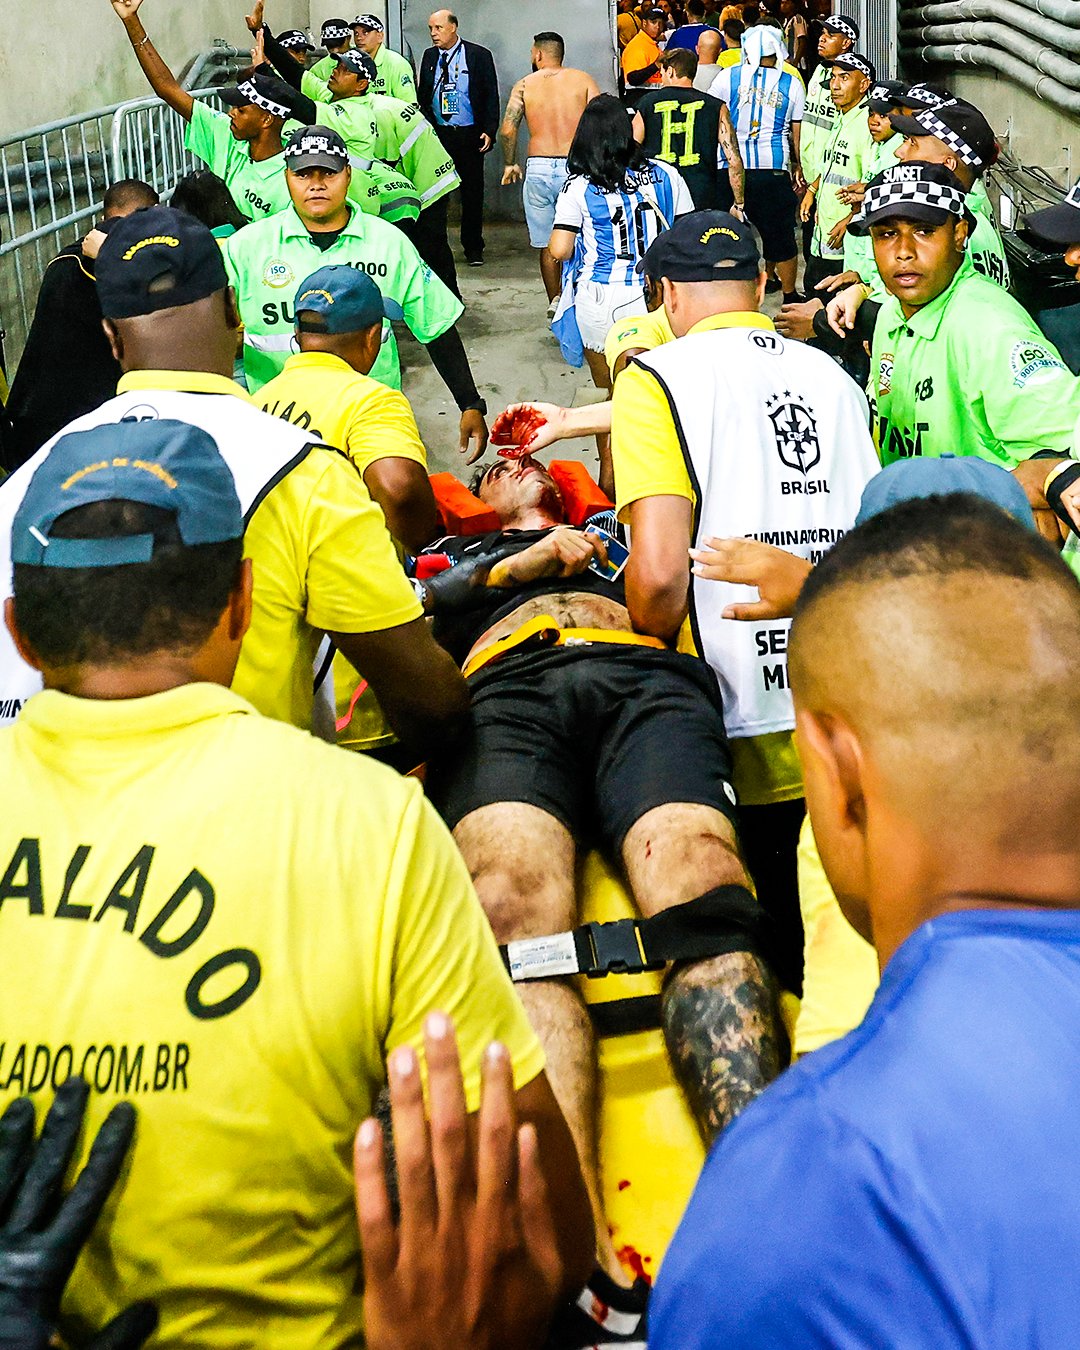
(507, 30)
(1031, 130)
(62, 58)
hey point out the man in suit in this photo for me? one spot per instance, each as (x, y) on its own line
(459, 94)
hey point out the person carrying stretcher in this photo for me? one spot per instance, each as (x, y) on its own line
(585, 734)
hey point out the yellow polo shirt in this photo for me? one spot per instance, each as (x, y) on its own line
(648, 462)
(322, 557)
(230, 924)
(324, 395)
(638, 332)
(841, 972)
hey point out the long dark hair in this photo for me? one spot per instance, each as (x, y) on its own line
(604, 147)
(203, 194)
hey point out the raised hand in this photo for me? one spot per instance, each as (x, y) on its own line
(473, 1262)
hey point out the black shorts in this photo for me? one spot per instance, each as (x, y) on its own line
(595, 737)
(770, 208)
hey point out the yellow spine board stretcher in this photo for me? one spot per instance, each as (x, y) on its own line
(650, 1150)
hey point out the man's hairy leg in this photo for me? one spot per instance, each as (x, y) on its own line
(721, 1015)
(522, 863)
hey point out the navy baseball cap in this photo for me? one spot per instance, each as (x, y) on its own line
(909, 479)
(157, 258)
(369, 21)
(855, 61)
(316, 147)
(840, 23)
(341, 300)
(336, 30)
(167, 464)
(912, 191)
(704, 246)
(263, 91)
(296, 40)
(1058, 225)
(359, 63)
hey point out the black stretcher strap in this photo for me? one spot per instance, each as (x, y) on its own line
(725, 919)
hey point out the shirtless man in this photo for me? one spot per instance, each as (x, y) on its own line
(551, 101)
(614, 742)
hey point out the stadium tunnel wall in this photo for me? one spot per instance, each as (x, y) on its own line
(61, 59)
(1018, 60)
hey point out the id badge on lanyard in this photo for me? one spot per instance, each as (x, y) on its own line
(448, 100)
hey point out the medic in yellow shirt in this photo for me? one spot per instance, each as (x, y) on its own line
(325, 389)
(216, 916)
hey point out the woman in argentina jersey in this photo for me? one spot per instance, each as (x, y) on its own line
(613, 205)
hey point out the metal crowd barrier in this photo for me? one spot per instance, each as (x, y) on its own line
(53, 180)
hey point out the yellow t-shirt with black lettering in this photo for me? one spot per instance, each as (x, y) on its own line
(321, 393)
(648, 462)
(231, 924)
(367, 421)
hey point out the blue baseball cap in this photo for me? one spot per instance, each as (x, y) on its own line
(159, 463)
(910, 479)
(341, 299)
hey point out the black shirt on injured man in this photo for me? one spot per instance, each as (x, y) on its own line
(459, 630)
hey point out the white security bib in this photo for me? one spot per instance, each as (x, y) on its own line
(259, 449)
(777, 445)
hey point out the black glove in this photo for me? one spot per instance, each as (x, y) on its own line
(42, 1231)
(464, 586)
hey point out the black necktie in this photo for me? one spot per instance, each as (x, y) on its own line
(444, 69)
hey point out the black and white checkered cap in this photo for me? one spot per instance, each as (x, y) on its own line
(336, 30)
(254, 90)
(316, 146)
(371, 21)
(855, 61)
(936, 127)
(296, 40)
(839, 23)
(958, 125)
(922, 96)
(914, 190)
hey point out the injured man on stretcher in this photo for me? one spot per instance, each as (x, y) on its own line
(584, 734)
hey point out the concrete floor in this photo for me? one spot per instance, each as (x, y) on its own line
(511, 348)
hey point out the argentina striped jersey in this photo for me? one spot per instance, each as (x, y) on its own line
(763, 102)
(616, 228)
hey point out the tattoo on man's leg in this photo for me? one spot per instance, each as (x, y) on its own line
(724, 1034)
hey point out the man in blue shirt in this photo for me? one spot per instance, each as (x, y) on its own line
(691, 30)
(459, 94)
(917, 1184)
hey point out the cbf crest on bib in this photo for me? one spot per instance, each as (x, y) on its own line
(795, 429)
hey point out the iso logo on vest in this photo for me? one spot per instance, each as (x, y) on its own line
(278, 273)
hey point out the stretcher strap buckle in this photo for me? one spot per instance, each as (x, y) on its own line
(616, 950)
